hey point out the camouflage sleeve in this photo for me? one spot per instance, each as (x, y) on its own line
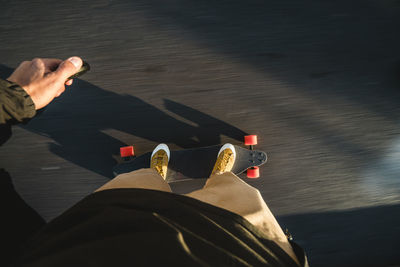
(15, 104)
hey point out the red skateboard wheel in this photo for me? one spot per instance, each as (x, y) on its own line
(126, 151)
(253, 172)
(250, 140)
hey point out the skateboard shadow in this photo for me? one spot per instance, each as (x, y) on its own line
(87, 124)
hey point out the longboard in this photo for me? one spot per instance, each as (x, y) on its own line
(195, 163)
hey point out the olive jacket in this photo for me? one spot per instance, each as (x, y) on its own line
(16, 106)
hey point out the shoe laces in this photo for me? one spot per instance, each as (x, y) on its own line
(225, 160)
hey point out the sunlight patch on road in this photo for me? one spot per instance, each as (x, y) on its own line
(382, 178)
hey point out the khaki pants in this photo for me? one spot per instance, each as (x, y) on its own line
(226, 191)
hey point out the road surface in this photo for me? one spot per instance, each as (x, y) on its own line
(318, 82)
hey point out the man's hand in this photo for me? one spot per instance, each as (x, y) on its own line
(45, 78)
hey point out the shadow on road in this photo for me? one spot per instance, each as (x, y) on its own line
(328, 49)
(78, 120)
(361, 237)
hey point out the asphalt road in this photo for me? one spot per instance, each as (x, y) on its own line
(317, 81)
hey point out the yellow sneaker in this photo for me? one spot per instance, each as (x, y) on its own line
(159, 159)
(225, 160)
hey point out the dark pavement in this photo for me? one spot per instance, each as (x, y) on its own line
(317, 81)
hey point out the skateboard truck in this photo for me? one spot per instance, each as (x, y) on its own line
(251, 141)
(127, 153)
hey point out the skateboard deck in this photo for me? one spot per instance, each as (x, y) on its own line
(195, 163)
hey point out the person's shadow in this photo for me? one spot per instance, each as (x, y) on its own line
(78, 120)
